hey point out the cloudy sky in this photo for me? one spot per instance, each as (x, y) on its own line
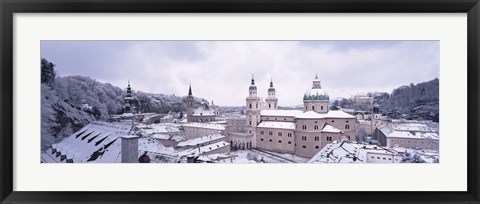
(221, 70)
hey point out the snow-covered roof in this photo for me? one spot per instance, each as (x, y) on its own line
(348, 152)
(284, 113)
(329, 114)
(200, 140)
(160, 128)
(97, 142)
(329, 128)
(203, 110)
(413, 135)
(205, 125)
(410, 129)
(279, 125)
(204, 149)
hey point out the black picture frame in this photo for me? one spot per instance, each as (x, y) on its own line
(10, 7)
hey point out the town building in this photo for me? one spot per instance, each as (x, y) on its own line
(408, 134)
(300, 132)
(349, 152)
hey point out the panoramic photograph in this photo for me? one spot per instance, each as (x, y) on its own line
(242, 102)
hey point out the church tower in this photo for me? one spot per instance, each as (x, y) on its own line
(189, 104)
(127, 107)
(272, 100)
(253, 108)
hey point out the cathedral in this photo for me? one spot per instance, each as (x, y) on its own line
(300, 132)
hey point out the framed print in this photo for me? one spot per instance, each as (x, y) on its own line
(262, 101)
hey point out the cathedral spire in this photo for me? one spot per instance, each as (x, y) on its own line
(271, 82)
(253, 80)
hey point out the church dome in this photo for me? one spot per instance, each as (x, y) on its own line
(316, 92)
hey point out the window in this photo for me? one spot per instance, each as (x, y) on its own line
(250, 122)
(261, 139)
(372, 157)
(270, 140)
(279, 134)
(333, 121)
(304, 138)
(304, 127)
(378, 157)
(275, 118)
(329, 138)
(317, 138)
(316, 147)
(315, 127)
(256, 105)
(279, 141)
(304, 147)
(250, 105)
(390, 159)
(261, 132)
(313, 107)
(289, 134)
(270, 133)
(384, 158)
(321, 107)
(289, 142)
(347, 127)
(269, 105)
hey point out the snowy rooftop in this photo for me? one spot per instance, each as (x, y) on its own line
(203, 110)
(289, 113)
(98, 142)
(348, 152)
(205, 125)
(160, 128)
(280, 125)
(205, 149)
(329, 114)
(329, 128)
(410, 129)
(200, 140)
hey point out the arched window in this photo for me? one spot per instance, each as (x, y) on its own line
(316, 147)
(269, 105)
(304, 147)
(315, 127)
(250, 105)
(321, 107)
(313, 107)
(279, 141)
(289, 142)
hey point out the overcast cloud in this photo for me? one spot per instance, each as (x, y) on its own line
(221, 70)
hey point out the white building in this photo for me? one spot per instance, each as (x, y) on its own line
(348, 152)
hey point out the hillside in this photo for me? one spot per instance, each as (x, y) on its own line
(420, 101)
(69, 103)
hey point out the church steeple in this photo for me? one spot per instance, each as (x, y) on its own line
(189, 104)
(190, 90)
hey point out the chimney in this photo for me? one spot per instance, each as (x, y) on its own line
(130, 149)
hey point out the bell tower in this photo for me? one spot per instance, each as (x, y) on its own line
(253, 108)
(189, 104)
(272, 100)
